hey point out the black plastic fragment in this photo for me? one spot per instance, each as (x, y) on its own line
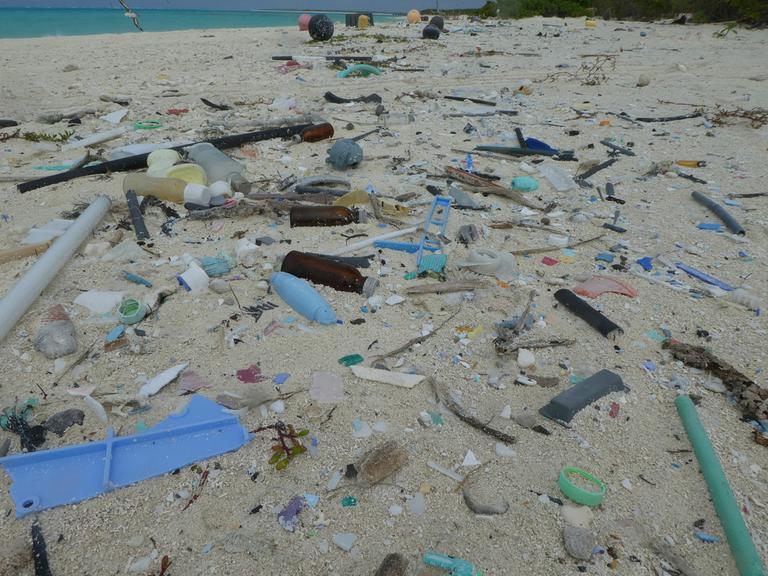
(583, 310)
(565, 406)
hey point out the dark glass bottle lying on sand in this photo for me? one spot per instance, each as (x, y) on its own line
(337, 275)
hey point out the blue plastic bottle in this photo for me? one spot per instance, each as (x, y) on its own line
(304, 299)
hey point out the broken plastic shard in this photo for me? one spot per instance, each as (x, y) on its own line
(98, 301)
(360, 429)
(326, 388)
(200, 430)
(470, 459)
(598, 285)
(417, 505)
(345, 540)
(288, 517)
(387, 377)
(191, 381)
(157, 383)
(566, 405)
(250, 375)
(502, 265)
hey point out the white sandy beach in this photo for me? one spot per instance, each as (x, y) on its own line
(219, 533)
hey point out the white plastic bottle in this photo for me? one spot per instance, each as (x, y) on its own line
(167, 189)
(218, 166)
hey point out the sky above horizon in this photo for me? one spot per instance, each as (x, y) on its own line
(309, 5)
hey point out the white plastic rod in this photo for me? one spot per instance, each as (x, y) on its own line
(31, 285)
(369, 242)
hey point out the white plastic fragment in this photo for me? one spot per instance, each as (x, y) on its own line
(470, 459)
(157, 383)
(386, 377)
(96, 407)
(445, 471)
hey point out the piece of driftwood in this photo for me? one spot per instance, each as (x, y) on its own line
(525, 251)
(446, 287)
(24, 251)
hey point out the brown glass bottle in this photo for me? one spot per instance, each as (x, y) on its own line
(337, 275)
(325, 216)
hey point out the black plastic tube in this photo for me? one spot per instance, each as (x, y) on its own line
(721, 212)
(137, 219)
(140, 160)
(584, 311)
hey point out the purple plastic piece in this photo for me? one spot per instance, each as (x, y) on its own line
(49, 478)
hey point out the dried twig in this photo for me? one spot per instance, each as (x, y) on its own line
(553, 248)
(446, 287)
(461, 414)
(503, 347)
(412, 341)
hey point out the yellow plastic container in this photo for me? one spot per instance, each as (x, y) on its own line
(591, 23)
(363, 22)
(190, 173)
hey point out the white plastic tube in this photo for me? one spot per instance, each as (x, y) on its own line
(31, 285)
(370, 241)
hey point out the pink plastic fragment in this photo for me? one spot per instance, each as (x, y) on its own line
(250, 375)
(549, 261)
(191, 381)
(614, 411)
(598, 285)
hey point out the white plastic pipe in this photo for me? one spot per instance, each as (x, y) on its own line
(31, 285)
(370, 241)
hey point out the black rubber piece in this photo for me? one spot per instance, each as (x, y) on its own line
(595, 169)
(140, 160)
(137, 219)
(615, 228)
(583, 310)
(438, 22)
(333, 99)
(565, 406)
(721, 212)
(40, 551)
(320, 27)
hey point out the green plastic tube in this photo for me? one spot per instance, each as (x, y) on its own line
(743, 549)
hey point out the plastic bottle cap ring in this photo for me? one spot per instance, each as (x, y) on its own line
(579, 495)
(131, 311)
(147, 125)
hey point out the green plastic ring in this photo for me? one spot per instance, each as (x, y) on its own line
(147, 125)
(579, 495)
(131, 311)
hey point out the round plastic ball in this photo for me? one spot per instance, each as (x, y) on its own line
(413, 17)
(430, 32)
(304, 22)
(438, 22)
(320, 27)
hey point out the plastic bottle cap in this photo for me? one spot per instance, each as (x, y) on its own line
(163, 156)
(577, 494)
(194, 279)
(131, 311)
(220, 188)
(197, 194)
(369, 287)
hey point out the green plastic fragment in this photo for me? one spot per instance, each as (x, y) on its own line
(348, 501)
(351, 360)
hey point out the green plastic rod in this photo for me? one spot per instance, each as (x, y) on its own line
(743, 549)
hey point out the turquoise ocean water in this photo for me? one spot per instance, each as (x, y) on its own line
(37, 22)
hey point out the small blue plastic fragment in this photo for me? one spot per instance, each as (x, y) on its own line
(704, 277)
(136, 279)
(279, 379)
(114, 334)
(470, 163)
(714, 226)
(49, 478)
(605, 257)
(646, 262)
(649, 366)
(708, 538)
(535, 144)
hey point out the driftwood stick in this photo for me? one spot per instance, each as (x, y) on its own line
(504, 348)
(24, 251)
(461, 414)
(446, 287)
(417, 340)
(553, 248)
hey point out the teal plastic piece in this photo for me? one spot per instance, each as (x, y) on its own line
(216, 265)
(432, 263)
(742, 548)
(436, 217)
(525, 183)
(49, 478)
(359, 70)
(351, 360)
(457, 566)
(303, 298)
(591, 498)
(136, 279)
